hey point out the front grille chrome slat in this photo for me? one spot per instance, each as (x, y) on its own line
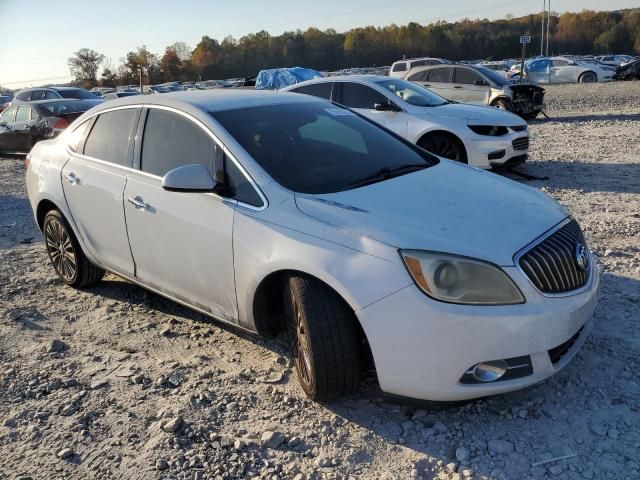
(521, 143)
(552, 265)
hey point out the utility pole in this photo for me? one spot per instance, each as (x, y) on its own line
(544, 12)
(140, 72)
(548, 22)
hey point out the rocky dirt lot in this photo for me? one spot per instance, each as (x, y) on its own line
(118, 383)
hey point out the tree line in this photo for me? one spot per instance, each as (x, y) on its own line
(586, 32)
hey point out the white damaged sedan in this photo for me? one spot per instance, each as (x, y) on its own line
(278, 212)
(481, 136)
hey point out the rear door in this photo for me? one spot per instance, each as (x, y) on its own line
(181, 242)
(94, 179)
(469, 86)
(561, 71)
(363, 98)
(439, 81)
(21, 129)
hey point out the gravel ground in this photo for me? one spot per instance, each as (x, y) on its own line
(115, 382)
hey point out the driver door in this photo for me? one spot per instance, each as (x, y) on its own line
(470, 86)
(7, 139)
(362, 98)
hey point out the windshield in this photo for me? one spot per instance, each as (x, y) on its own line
(493, 76)
(77, 93)
(317, 147)
(412, 93)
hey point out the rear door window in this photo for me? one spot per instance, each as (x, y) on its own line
(419, 76)
(400, 67)
(51, 95)
(441, 75)
(111, 137)
(37, 95)
(356, 95)
(321, 90)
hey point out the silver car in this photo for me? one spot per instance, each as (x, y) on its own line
(480, 86)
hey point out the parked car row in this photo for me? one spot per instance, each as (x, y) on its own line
(280, 212)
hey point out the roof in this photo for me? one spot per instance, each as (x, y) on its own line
(50, 88)
(211, 100)
(55, 100)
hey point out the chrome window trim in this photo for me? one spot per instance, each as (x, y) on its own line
(265, 202)
(593, 269)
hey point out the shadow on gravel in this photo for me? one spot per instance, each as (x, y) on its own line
(16, 222)
(618, 117)
(586, 177)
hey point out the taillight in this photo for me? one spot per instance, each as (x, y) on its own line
(60, 124)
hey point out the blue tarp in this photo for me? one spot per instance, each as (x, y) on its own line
(538, 65)
(283, 77)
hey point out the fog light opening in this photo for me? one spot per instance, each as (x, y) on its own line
(489, 371)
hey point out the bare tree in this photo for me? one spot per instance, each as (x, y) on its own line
(84, 66)
(182, 50)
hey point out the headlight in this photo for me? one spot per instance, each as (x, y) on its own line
(455, 279)
(489, 130)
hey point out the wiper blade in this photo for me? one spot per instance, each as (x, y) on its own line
(386, 173)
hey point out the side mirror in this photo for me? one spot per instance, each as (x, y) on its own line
(385, 107)
(190, 179)
(481, 83)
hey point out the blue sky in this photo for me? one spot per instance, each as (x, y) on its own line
(36, 41)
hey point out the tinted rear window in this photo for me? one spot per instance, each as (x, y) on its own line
(111, 135)
(320, 90)
(315, 147)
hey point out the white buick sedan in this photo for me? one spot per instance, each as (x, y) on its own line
(481, 136)
(283, 212)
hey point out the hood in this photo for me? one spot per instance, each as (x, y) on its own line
(475, 114)
(446, 208)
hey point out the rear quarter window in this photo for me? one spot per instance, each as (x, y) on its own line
(320, 90)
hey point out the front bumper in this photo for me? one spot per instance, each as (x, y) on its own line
(481, 151)
(422, 348)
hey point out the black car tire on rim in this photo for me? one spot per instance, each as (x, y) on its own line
(444, 145)
(67, 258)
(324, 338)
(588, 77)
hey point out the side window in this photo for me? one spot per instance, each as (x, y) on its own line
(7, 116)
(111, 135)
(241, 188)
(560, 63)
(74, 138)
(23, 96)
(418, 63)
(50, 95)
(322, 90)
(355, 95)
(419, 76)
(37, 95)
(466, 76)
(441, 75)
(22, 115)
(400, 67)
(172, 140)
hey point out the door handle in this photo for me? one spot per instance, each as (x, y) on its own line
(426, 85)
(457, 86)
(72, 179)
(138, 202)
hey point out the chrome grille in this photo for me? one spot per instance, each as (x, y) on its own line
(552, 264)
(521, 143)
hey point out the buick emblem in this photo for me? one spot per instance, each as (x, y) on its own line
(582, 258)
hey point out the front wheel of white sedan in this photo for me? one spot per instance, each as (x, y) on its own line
(66, 256)
(444, 145)
(588, 77)
(324, 339)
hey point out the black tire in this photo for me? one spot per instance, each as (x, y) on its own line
(503, 104)
(67, 258)
(325, 339)
(588, 77)
(444, 145)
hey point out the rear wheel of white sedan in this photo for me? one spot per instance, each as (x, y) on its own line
(444, 145)
(66, 256)
(588, 77)
(324, 337)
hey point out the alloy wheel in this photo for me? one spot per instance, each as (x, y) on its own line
(446, 149)
(302, 353)
(60, 249)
